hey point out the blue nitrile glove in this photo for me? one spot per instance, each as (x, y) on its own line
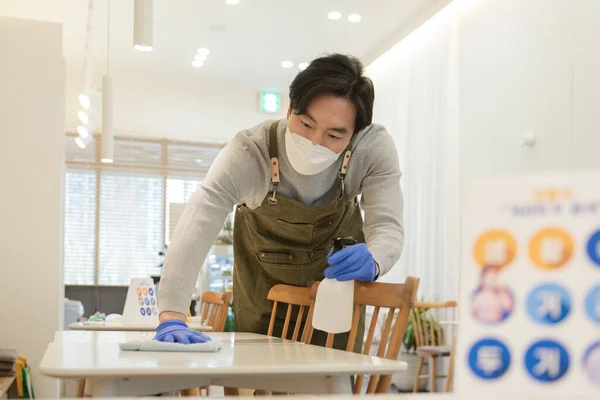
(176, 331)
(352, 263)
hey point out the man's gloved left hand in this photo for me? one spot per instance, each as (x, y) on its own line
(176, 331)
(352, 263)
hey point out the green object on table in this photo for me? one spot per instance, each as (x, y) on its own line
(229, 324)
(97, 317)
(27, 388)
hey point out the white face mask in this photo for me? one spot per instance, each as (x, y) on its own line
(305, 157)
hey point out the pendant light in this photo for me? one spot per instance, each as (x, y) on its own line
(89, 99)
(143, 25)
(107, 104)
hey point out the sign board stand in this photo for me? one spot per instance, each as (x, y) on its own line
(140, 304)
(530, 287)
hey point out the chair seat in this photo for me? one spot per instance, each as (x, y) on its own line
(443, 351)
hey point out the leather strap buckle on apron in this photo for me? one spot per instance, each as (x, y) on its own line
(344, 170)
(274, 153)
(275, 180)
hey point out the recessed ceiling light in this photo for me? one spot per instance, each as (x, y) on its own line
(334, 15)
(232, 2)
(354, 18)
(287, 64)
(303, 66)
(83, 117)
(83, 132)
(203, 51)
(142, 47)
(200, 57)
(80, 143)
(84, 100)
(197, 63)
(198, 161)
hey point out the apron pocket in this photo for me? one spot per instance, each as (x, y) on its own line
(292, 234)
(276, 258)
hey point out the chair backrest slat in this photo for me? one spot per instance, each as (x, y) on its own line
(298, 323)
(354, 329)
(286, 325)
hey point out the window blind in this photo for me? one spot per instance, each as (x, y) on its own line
(117, 216)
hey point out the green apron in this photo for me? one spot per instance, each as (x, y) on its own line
(285, 242)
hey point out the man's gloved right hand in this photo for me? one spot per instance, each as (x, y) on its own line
(176, 331)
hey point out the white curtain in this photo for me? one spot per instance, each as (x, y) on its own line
(416, 84)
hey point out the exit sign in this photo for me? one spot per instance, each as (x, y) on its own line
(269, 102)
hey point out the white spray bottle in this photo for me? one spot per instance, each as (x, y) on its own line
(335, 299)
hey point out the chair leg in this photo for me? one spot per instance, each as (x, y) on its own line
(81, 388)
(433, 373)
(229, 391)
(450, 377)
(419, 370)
(191, 392)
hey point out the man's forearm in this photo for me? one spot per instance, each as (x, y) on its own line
(170, 315)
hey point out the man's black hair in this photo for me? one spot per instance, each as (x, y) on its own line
(339, 75)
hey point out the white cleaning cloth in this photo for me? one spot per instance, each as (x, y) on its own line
(155, 345)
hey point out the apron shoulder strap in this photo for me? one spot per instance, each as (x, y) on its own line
(273, 154)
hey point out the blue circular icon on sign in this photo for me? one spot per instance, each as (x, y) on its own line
(593, 248)
(591, 363)
(148, 311)
(152, 301)
(489, 359)
(151, 292)
(548, 304)
(546, 361)
(592, 304)
(143, 311)
(147, 301)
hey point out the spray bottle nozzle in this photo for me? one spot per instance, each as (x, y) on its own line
(340, 243)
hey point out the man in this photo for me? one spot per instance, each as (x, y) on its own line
(294, 184)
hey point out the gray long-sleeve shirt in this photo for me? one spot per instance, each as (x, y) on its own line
(241, 174)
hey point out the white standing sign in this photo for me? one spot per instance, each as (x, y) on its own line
(140, 304)
(530, 287)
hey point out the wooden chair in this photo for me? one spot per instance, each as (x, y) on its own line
(214, 308)
(431, 339)
(399, 300)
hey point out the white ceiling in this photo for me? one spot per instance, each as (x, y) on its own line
(248, 41)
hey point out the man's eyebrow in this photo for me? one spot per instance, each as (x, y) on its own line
(340, 130)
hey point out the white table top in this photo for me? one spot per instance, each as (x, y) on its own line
(120, 326)
(92, 357)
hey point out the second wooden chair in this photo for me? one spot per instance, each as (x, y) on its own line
(432, 340)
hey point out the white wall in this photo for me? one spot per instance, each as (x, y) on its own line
(202, 111)
(530, 66)
(416, 98)
(31, 175)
